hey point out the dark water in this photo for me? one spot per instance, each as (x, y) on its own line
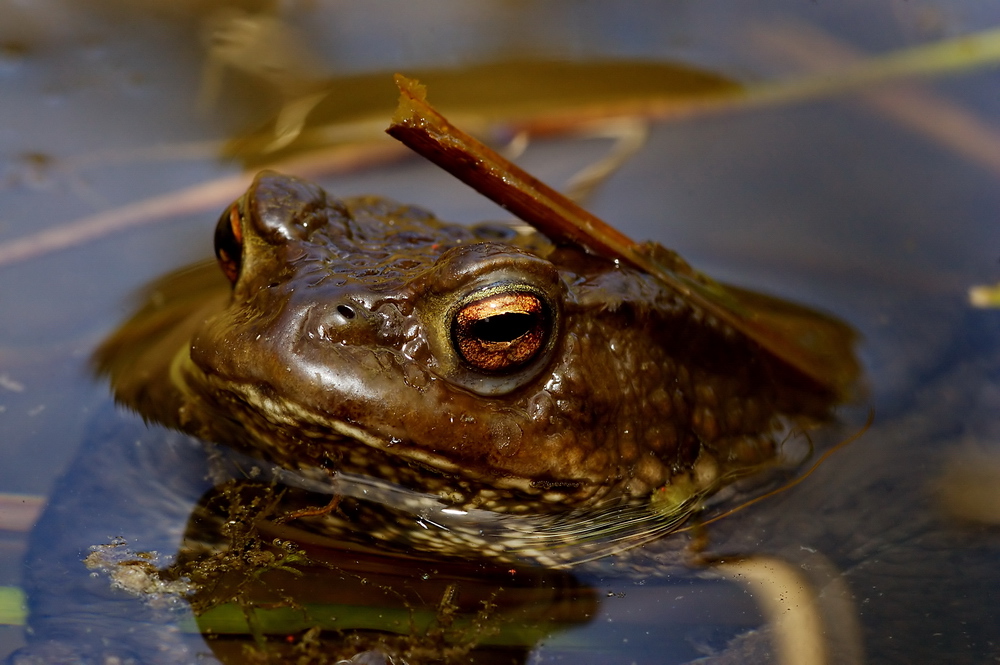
(830, 203)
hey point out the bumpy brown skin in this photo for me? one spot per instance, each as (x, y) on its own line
(336, 348)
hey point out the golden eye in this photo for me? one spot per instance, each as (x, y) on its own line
(502, 330)
(229, 242)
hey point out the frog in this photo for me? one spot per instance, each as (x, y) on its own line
(484, 366)
(433, 388)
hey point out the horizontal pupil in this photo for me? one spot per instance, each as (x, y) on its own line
(502, 327)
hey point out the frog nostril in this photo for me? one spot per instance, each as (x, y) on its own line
(345, 323)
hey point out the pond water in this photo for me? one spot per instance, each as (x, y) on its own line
(840, 203)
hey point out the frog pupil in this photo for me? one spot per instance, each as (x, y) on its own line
(503, 327)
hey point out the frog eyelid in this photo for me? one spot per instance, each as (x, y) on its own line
(459, 297)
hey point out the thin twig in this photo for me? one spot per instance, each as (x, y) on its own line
(429, 134)
(817, 347)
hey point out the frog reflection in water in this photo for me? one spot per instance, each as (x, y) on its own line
(487, 372)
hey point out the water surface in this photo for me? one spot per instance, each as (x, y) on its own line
(828, 202)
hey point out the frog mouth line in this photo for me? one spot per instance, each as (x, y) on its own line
(267, 416)
(349, 432)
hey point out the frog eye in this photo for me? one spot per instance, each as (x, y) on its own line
(229, 242)
(502, 329)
